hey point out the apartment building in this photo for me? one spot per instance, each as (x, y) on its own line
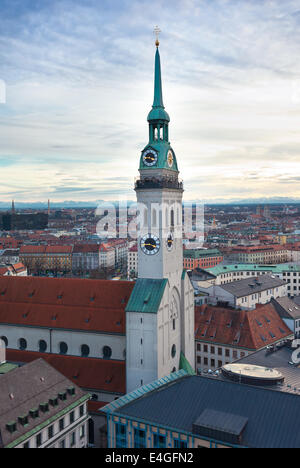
(245, 294)
(40, 408)
(17, 269)
(86, 257)
(224, 335)
(132, 263)
(260, 254)
(107, 256)
(201, 258)
(43, 258)
(224, 274)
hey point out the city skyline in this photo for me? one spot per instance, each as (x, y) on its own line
(79, 85)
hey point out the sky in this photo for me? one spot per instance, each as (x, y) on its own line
(76, 85)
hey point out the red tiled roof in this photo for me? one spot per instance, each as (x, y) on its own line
(78, 304)
(94, 406)
(34, 249)
(3, 271)
(240, 328)
(84, 248)
(19, 267)
(53, 249)
(94, 374)
(45, 249)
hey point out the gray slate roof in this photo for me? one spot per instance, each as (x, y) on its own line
(24, 389)
(279, 360)
(287, 308)
(249, 286)
(273, 417)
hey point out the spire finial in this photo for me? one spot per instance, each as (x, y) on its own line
(157, 32)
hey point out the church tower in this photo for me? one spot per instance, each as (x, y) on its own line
(160, 312)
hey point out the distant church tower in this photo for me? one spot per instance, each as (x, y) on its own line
(160, 312)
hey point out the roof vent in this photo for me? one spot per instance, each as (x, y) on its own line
(44, 407)
(11, 427)
(147, 298)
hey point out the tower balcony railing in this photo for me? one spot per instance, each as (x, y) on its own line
(158, 183)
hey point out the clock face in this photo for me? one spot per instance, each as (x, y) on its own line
(170, 241)
(170, 158)
(150, 244)
(150, 157)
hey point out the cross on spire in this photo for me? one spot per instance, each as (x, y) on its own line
(157, 32)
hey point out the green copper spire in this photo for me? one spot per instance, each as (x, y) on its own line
(158, 110)
(158, 97)
(158, 154)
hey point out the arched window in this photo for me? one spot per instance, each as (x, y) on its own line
(22, 344)
(42, 346)
(154, 218)
(85, 350)
(172, 218)
(145, 227)
(63, 348)
(167, 218)
(173, 352)
(5, 341)
(174, 370)
(155, 134)
(107, 352)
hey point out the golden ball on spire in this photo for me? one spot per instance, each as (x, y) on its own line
(157, 31)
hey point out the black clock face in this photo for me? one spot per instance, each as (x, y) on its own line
(150, 158)
(170, 241)
(150, 245)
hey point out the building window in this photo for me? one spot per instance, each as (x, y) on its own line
(61, 424)
(81, 411)
(159, 441)
(121, 435)
(39, 440)
(180, 443)
(107, 352)
(72, 417)
(26, 445)
(139, 438)
(85, 351)
(73, 439)
(173, 351)
(63, 348)
(82, 432)
(50, 432)
(22, 344)
(62, 444)
(42, 346)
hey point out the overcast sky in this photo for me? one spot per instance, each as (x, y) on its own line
(79, 86)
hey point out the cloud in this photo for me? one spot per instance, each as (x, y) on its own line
(79, 85)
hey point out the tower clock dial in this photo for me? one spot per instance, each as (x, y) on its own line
(170, 241)
(150, 244)
(150, 157)
(170, 158)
